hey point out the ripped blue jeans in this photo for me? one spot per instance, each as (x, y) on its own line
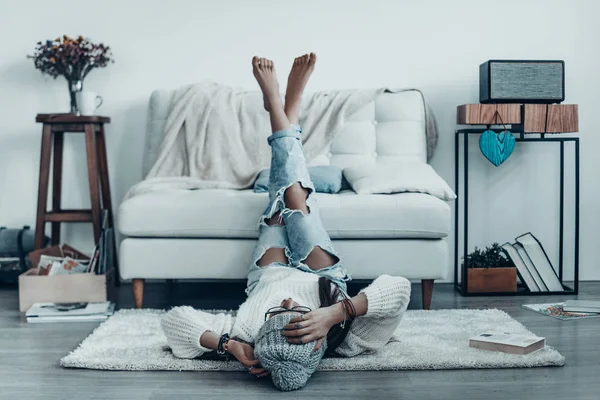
(299, 233)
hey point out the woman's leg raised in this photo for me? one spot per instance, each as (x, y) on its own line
(290, 186)
(272, 247)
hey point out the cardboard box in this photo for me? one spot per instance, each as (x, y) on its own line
(34, 288)
(72, 288)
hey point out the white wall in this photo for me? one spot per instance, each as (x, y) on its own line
(433, 45)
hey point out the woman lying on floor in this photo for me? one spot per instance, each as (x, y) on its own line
(297, 308)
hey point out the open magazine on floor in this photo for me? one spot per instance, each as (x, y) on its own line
(555, 310)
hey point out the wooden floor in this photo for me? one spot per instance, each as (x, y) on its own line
(29, 357)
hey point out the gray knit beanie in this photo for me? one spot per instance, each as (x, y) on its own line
(290, 365)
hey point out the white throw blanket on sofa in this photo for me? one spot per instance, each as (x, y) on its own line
(216, 136)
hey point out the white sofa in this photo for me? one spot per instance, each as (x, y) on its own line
(210, 234)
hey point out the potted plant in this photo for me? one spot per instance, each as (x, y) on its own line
(489, 270)
(72, 58)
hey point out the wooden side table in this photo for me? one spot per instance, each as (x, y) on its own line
(54, 128)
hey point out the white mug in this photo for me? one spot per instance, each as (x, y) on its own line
(88, 102)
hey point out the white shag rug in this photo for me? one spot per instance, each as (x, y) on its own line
(133, 340)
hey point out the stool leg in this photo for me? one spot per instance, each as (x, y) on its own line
(103, 168)
(57, 182)
(106, 197)
(92, 165)
(45, 153)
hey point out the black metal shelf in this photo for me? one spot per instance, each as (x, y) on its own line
(520, 136)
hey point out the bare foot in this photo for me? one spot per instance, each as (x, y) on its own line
(264, 72)
(301, 70)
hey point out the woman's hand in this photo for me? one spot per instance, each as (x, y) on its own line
(314, 325)
(244, 353)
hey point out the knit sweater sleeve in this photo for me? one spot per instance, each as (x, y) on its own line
(183, 327)
(387, 300)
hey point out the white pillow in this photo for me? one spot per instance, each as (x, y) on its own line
(398, 178)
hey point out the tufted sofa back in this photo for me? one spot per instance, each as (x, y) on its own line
(387, 130)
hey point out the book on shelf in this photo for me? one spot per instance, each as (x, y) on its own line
(540, 261)
(522, 269)
(507, 342)
(530, 267)
(533, 265)
(582, 306)
(69, 312)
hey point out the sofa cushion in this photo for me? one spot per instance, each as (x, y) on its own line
(160, 258)
(218, 213)
(398, 178)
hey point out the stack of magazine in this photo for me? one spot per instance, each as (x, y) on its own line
(533, 265)
(64, 259)
(69, 312)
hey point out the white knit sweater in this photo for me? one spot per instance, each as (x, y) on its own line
(387, 298)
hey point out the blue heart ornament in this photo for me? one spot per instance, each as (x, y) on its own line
(497, 147)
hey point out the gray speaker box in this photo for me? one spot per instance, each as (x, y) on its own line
(522, 81)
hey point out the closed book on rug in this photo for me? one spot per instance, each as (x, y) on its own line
(584, 306)
(507, 342)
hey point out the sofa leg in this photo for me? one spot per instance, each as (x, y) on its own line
(427, 292)
(138, 292)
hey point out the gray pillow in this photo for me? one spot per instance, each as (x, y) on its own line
(326, 178)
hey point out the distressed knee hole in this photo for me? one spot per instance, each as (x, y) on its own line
(271, 256)
(276, 219)
(295, 198)
(318, 258)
